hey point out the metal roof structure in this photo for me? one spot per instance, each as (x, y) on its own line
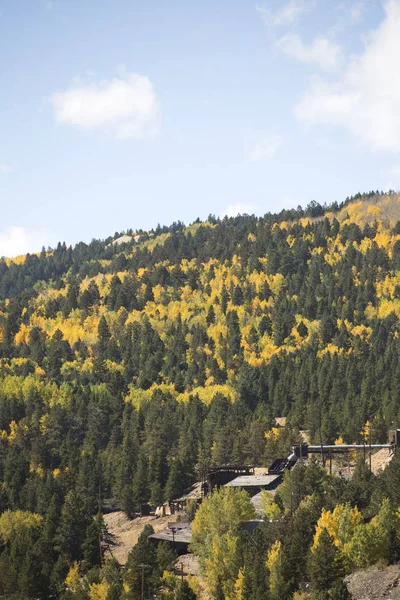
(262, 481)
(281, 464)
(177, 532)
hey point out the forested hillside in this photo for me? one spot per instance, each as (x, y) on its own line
(129, 365)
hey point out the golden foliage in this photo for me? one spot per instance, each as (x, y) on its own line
(273, 434)
(339, 523)
(215, 537)
(13, 522)
(73, 579)
(22, 336)
(274, 562)
(98, 591)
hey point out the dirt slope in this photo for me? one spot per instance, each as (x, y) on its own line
(380, 460)
(125, 532)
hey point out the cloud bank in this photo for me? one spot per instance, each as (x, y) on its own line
(18, 240)
(365, 99)
(124, 107)
(322, 52)
(286, 15)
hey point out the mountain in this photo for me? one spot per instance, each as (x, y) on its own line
(129, 365)
(288, 312)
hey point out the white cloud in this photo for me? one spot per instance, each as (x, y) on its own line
(125, 107)
(356, 11)
(239, 208)
(366, 97)
(323, 52)
(265, 146)
(5, 167)
(286, 15)
(18, 240)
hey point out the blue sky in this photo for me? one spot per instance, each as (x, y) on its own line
(125, 114)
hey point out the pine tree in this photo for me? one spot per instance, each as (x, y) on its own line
(140, 484)
(72, 527)
(143, 553)
(326, 569)
(91, 545)
(184, 591)
(104, 336)
(175, 485)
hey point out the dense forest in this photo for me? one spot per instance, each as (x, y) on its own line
(130, 365)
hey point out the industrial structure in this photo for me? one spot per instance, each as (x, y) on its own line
(327, 451)
(179, 534)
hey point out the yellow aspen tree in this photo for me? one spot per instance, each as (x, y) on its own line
(73, 579)
(274, 564)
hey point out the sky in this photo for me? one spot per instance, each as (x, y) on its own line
(124, 114)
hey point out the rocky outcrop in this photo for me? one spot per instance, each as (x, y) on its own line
(375, 584)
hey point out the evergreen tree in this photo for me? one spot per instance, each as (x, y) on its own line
(326, 569)
(71, 530)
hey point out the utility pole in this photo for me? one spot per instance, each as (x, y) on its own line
(291, 497)
(173, 529)
(143, 567)
(320, 436)
(100, 517)
(100, 547)
(370, 449)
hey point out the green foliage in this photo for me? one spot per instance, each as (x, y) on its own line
(326, 569)
(215, 536)
(301, 482)
(13, 523)
(184, 592)
(126, 371)
(73, 523)
(144, 553)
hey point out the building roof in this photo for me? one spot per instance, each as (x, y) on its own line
(195, 493)
(253, 481)
(183, 533)
(281, 421)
